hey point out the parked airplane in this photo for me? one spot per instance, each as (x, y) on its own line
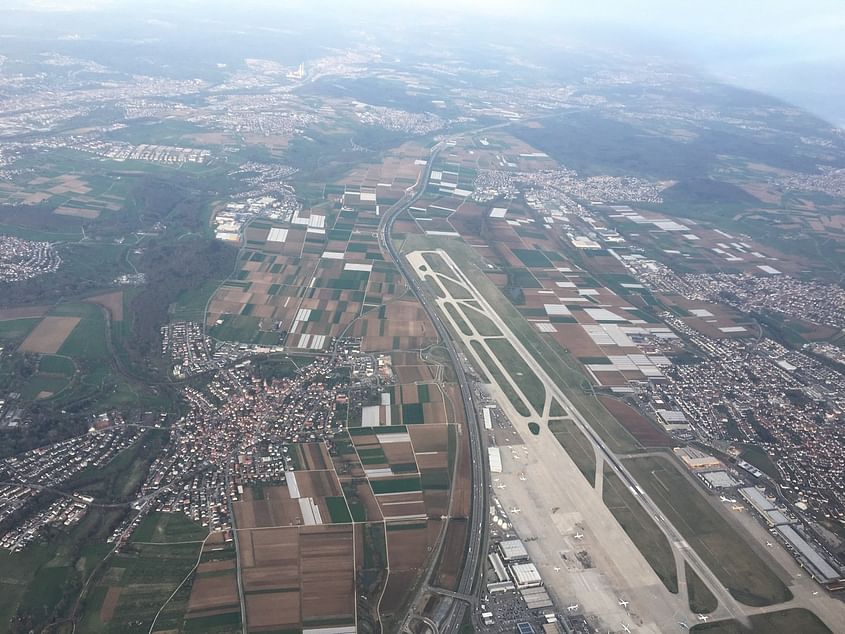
(703, 617)
(626, 628)
(623, 603)
(516, 510)
(727, 499)
(769, 544)
(683, 625)
(556, 568)
(738, 508)
(579, 535)
(572, 608)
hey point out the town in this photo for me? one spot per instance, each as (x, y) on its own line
(24, 259)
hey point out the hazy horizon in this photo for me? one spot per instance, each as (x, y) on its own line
(789, 51)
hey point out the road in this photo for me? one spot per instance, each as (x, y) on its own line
(470, 579)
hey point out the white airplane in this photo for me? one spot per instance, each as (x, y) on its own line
(556, 568)
(572, 608)
(516, 510)
(623, 603)
(683, 625)
(703, 617)
(501, 486)
(579, 535)
(816, 593)
(522, 477)
(769, 544)
(626, 628)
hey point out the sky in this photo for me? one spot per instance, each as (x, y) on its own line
(794, 49)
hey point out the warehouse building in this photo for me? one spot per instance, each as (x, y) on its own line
(498, 566)
(817, 565)
(495, 458)
(513, 550)
(525, 575)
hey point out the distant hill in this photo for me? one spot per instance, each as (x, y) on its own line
(700, 191)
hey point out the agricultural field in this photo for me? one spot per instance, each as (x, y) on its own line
(320, 272)
(307, 498)
(298, 576)
(147, 575)
(49, 335)
(13, 331)
(301, 285)
(296, 536)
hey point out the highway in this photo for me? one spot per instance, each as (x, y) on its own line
(470, 579)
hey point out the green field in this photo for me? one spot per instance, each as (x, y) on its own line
(794, 621)
(725, 551)
(35, 581)
(160, 528)
(499, 378)
(396, 485)
(16, 330)
(39, 384)
(576, 445)
(338, 510)
(87, 342)
(190, 305)
(147, 574)
(531, 386)
(55, 364)
(82, 374)
(434, 286)
(438, 264)
(455, 290)
(532, 258)
(758, 457)
(240, 328)
(482, 324)
(459, 321)
(97, 386)
(641, 528)
(701, 600)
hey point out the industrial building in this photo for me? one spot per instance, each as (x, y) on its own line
(498, 566)
(495, 458)
(695, 459)
(488, 418)
(815, 564)
(717, 479)
(525, 628)
(501, 586)
(760, 503)
(525, 575)
(513, 550)
(536, 598)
